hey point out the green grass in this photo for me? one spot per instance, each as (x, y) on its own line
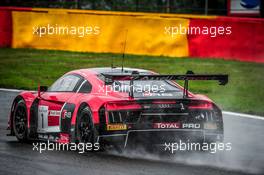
(26, 68)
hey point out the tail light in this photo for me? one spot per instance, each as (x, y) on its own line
(122, 106)
(122, 112)
(200, 105)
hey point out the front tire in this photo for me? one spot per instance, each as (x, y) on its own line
(20, 121)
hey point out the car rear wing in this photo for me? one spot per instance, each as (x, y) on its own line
(221, 78)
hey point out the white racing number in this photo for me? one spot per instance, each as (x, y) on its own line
(42, 118)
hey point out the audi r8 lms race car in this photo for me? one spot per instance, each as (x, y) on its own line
(117, 106)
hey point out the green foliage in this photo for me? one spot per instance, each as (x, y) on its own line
(25, 68)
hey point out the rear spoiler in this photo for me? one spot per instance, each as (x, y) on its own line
(221, 78)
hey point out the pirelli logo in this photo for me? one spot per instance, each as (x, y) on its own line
(116, 127)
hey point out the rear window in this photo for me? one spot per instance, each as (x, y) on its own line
(152, 88)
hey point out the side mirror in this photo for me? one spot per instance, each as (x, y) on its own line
(42, 89)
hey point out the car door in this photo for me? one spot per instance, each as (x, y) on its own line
(51, 102)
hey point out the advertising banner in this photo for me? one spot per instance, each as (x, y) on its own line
(100, 33)
(244, 7)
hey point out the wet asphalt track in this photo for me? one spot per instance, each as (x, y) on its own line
(246, 156)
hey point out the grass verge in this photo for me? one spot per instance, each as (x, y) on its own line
(26, 68)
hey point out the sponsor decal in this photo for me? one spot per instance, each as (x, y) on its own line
(47, 137)
(43, 109)
(164, 94)
(116, 127)
(66, 114)
(166, 125)
(191, 125)
(54, 113)
(210, 126)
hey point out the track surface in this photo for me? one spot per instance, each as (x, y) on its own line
(246, 156)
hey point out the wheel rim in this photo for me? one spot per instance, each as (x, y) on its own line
(20, 121)
(85, 129)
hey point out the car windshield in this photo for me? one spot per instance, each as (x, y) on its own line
(65, 84)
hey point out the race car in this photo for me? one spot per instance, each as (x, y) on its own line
(117, 106)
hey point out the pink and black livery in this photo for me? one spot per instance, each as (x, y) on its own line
(106, 106)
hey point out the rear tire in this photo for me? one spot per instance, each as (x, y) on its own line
(85, 130)
(20, 121)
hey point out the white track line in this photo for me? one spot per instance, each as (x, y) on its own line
(10, 90)
(243, 115)
(224, 112)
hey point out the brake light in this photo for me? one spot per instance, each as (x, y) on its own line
(200, 105)
(122, 106)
